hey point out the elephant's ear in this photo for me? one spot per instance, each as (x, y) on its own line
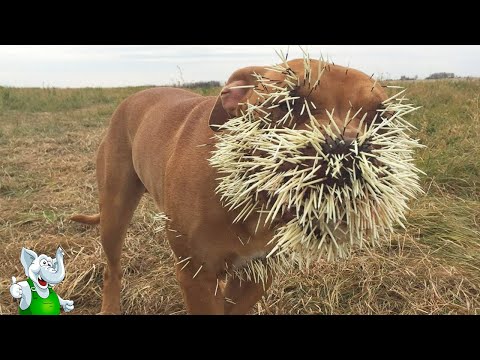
(26, 258)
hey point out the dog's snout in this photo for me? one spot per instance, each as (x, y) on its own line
(338, 145)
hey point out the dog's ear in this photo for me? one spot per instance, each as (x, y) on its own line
(235, 91)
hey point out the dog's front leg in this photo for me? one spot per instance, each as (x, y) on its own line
(241, 296)
(201, 290)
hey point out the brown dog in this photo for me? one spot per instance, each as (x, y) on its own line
(154, 144)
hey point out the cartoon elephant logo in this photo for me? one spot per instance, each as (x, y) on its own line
(36, 294)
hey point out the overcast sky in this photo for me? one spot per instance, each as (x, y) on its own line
(122, 65)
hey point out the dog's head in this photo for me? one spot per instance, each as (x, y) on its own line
(326, 88)
(319, 148)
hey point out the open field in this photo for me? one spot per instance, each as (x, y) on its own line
(48, 139)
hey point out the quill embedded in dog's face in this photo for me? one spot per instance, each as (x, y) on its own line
(320, 149)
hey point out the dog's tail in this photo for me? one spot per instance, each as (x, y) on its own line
(86, 219)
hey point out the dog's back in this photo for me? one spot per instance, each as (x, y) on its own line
(173, 125)
(142, 134)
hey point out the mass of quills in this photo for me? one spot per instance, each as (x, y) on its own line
(361, 193)
(271, 168)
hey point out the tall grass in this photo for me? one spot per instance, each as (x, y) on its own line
(33, 100)
(449, 125)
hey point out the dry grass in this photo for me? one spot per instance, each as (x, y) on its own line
(48, 138)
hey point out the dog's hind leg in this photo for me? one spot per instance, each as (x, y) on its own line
(242, 296)
(120, 190)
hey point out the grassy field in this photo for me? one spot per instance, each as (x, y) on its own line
(48, 138)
